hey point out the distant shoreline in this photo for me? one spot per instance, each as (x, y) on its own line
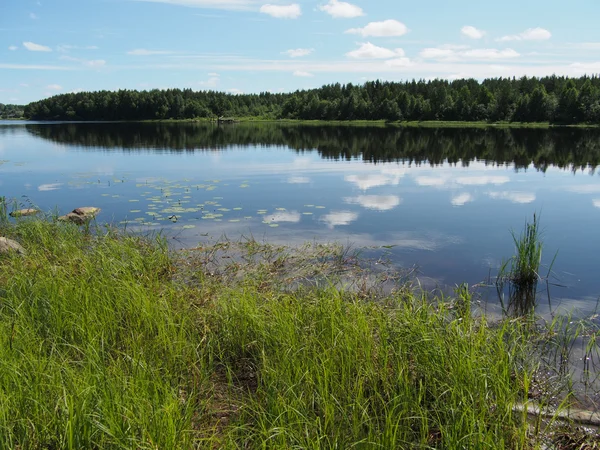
(364, 123)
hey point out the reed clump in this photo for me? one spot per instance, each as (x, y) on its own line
(107, 340)
(522, 271)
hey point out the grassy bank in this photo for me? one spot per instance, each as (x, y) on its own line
(109, 341)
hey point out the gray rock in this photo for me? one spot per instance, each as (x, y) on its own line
(24, 212)
(81, 215)
(9, 246)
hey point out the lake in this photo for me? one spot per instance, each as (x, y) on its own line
(443, 199)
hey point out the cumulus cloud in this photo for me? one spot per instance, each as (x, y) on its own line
(146, 52)
(370, 51)
(292, 11)
(454, 54)
(301, 73)
(381, 29)
(514, 197)
(377, 202)
(531, 34)
(33, 47)
(298, 52)
(339, 218)
(431, 181)
(596, 202)
(234, 91)
(12, 48)
(472, 32)
(54, 87)
(341, 10)
(461, 199)
(212, 82)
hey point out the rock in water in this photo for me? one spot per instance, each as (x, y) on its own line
(24, 212)
(80, 215)
(8, 245)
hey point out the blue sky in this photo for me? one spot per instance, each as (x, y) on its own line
(57, 46)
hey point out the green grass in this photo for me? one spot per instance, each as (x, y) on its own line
(108, 341)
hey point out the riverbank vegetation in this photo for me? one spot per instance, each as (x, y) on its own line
(11, 111)
(551, 99)
(111, 341)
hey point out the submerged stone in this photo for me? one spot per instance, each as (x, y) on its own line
(8, 246)
(81, 215)
(24, 212)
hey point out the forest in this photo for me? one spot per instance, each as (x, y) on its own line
(553, 99)
(11, 111)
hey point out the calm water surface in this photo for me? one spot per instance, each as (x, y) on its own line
(445, 199)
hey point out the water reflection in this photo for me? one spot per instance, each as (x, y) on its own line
(444, 200)
(565, 148)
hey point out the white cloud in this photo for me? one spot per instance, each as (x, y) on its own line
(339, 218)
(381, 29)
(490, 53)
(462, 199)
(298, 180)
(284, 216)
(212, 82)
(298, 52)
(341, 10)
(292, 11)
(32, 47)
(234, 91)
(368, 181)
(214, 4)
(377, 202)
(472, 32)
(531, 34)
(454, 55)
(12, 48)
(146, 52)
(596, 202)
(301, 73)
(94, 63)
(49, 187)
(482, 180)
(514, 197)
(33, 16)
(54, 87)
(431, 181)
(370, 51)
(32, 67)
(65, 48)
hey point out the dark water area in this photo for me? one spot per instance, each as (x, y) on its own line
(443, 199)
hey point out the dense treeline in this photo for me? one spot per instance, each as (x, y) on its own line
(552, 99)
(566, 148)
(11, 111)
